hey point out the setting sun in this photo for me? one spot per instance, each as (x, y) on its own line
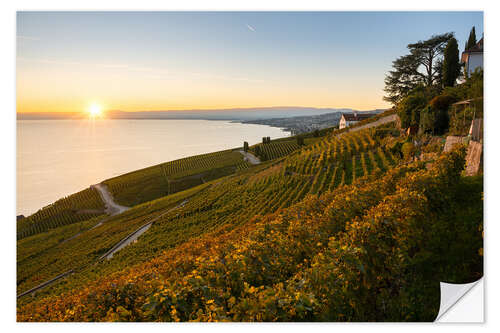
(94, 110)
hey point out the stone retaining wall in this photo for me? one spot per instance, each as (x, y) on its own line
(452, 141)
(474, 158)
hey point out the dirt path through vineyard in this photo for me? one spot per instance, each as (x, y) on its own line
(112, 208)
(252, 159)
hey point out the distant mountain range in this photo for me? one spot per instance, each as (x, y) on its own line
(235, 114)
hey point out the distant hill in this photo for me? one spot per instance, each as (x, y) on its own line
(239, 114)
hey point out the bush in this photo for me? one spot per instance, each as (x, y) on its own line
(442, 102)
(410, 107)
(433, 121)
(395, 149)
(432, 145)
(381, 133)
(408, 150)
(472, 88)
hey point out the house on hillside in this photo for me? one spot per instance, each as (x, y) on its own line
(473, 57)
(348, 119)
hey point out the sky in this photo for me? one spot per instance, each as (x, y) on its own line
(138, 61)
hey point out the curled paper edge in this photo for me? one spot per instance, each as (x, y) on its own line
(455, 302)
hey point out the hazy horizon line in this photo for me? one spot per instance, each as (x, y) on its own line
(209, 109)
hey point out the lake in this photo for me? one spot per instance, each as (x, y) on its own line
(56, 158)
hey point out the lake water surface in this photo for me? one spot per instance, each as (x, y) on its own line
(56, 158)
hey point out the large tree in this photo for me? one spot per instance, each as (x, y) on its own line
(422, 66)
(402, 79)
(451, 63)
(427, 52)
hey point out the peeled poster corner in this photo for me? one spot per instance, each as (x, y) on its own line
(461, 303)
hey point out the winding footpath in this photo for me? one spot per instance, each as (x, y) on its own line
(249, 157)
(112, 208)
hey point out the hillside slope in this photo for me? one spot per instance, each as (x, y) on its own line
(327, 231)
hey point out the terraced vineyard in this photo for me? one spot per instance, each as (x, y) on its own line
(163, 179)
(229, 202)
(220, 256)
(270, 151)
(281, 240)
(75, 208)
(198, 164)
(79, 245)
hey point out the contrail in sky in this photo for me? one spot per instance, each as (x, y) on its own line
(250, 27)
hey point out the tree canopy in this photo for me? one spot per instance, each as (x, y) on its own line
(451, 63)
(423, 65)
(472, 39)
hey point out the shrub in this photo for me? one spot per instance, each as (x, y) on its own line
(395, 149)
(433, 121)
(408, 150)
(410, 107)
(381, 133)
(442, 102)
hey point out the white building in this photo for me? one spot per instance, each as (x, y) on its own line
(473, 57)
(348, 119)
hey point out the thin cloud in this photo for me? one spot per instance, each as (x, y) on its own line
(250, 27)
(149, 72)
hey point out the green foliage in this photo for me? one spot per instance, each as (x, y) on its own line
(471, 41)
(471, 88)
(381, 133)
(402, 79)
(434, 121)
(441, 123)
(460, 117)
(410, 107)
(427, 52)
(427, 121)
(396, 149)
(442, 102)
(434, 118)
(408, 150)
(407, 75)
(451, 63)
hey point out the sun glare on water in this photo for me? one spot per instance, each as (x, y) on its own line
(94, 110)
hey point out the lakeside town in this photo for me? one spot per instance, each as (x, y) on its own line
(304, 124)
